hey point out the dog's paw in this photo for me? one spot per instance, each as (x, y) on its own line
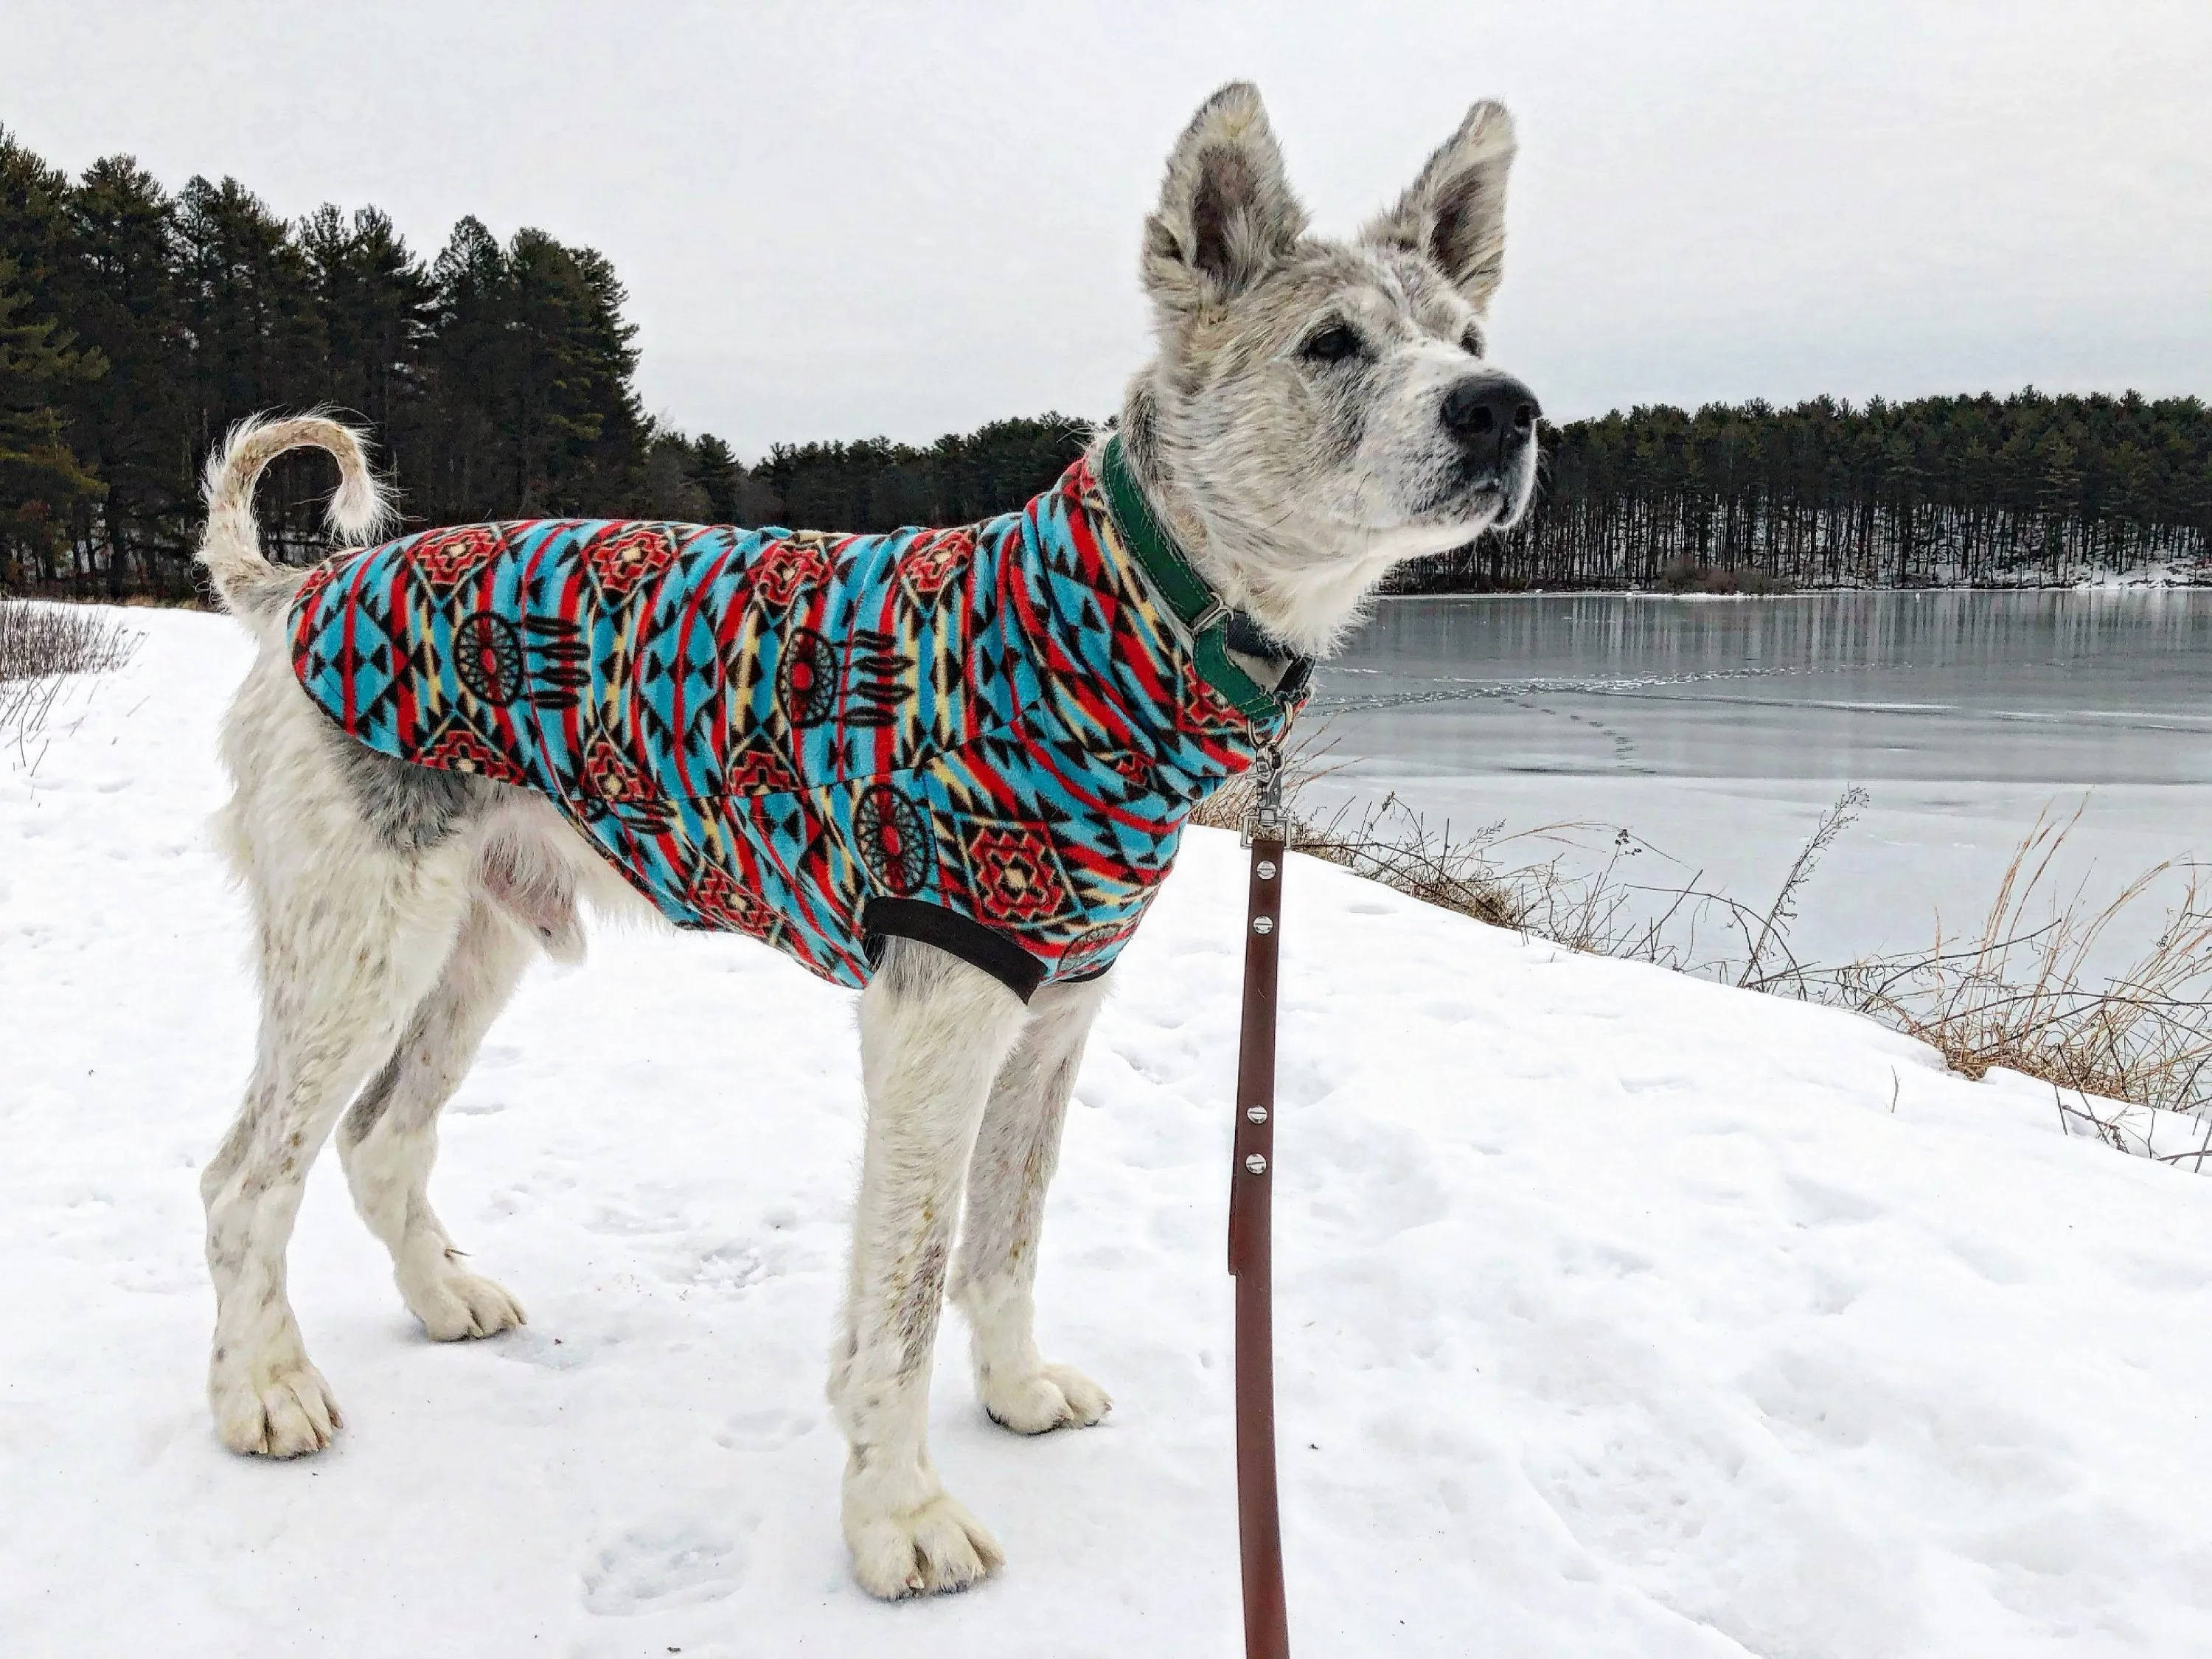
(1056, 1397)
(283, 1411)
(455, 1306)
(931, 1549)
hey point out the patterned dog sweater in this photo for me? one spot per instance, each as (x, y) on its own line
(987, 738)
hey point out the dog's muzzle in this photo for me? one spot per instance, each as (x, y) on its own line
(1493, 418)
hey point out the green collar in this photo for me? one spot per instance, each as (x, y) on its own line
(1196, 603)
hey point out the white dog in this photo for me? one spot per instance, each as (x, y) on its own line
(1318, 411)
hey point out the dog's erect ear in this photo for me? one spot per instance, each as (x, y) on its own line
(1226, 213)
(1455, 211)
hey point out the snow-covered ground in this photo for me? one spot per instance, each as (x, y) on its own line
(1619, 1314)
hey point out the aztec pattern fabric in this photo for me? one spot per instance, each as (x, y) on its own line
(769, 731)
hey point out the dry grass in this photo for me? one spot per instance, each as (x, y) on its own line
(1511, 881)
(1473, 874)
(37, 641)
(40, 646)
(2023, 994)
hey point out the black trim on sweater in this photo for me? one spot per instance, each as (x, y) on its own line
(956, 935)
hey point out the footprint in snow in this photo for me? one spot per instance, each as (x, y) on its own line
(1992, 1262)
(1819, 1203)
(1152, 1071)
(1371, 1180)
(1829, 1294)
(762, 1430)
(1599, 1259)
(534, 1346)
(660, 1564)
(1823, 1397)
(631, 1223)
(2160, 1272)
(728, 1267)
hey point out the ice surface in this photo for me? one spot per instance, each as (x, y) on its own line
(1619, 1314)
(1717, 731)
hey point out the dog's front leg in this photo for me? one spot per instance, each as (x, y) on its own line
(934, 1032)
(994, 1277)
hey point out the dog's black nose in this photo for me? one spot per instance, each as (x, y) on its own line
(1489, 410)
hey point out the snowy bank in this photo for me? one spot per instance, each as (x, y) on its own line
(1619, 1314)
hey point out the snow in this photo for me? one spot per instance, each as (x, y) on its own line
(1619, 1313)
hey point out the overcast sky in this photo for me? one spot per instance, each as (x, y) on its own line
(836, 220)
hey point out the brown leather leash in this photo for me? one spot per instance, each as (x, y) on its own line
(1267, 1623)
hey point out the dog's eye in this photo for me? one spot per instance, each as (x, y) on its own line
(1471, 340)
(1332, 345)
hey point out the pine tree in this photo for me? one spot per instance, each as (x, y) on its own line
(35, 229)
(576, 430)
(721, 478)
(378, 307)
(469, 359)
(248, 304)
(128, 423)
(41, 481)
(533, 364)
(670, 487)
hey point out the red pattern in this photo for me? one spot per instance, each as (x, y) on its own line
(728, 903)
(633, 554)
(611, 776)
(464, 751)
(789, 566)
(448, 558)
(933, 558)
(759, 772)
(304, 601)
(1018, 877)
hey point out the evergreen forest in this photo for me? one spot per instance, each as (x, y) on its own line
(137, 323)
(1982, 491)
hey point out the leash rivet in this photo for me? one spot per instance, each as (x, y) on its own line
(1263, 924)
(1266, 870)
(1257, 1113)
(1256, 1164)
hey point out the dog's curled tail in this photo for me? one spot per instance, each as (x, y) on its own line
(249, 585)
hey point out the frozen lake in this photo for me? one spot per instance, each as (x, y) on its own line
(1717, 731)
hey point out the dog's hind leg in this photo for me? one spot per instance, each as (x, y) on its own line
(995, 1278)
(934, 1032)
(329, 1011)
(389, 1138)
(354, 922)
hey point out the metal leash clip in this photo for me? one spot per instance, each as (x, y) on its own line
(1263, 818)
